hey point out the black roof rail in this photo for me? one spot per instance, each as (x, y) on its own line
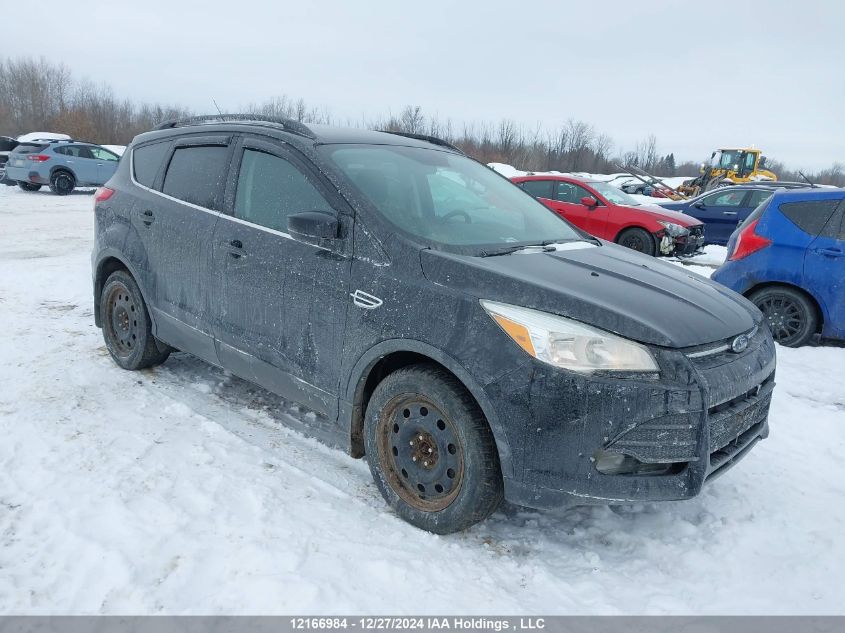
(288, 125)
(424, 137)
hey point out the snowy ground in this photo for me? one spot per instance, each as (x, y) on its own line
(179, 489)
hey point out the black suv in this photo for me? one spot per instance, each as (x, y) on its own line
(472, 344)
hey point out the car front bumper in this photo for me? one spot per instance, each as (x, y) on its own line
(696, 420)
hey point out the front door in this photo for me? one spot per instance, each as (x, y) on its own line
(720, 212)
(81, 160)
(106, 164)
(280, 303)
(567, 202)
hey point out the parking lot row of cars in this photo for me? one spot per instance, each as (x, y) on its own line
(55, 161)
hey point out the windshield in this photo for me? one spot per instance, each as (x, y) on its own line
(726, 159)
(614, 195)
(445, 199)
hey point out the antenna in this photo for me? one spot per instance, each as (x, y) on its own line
(810, 182)
(219, 111)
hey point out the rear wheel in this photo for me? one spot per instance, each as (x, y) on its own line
(430, 450)
(28, 186)
(789, 314)
(62, 183)
(637, 239)
(126, 324)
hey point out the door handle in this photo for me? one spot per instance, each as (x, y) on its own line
(831, 252)
(148, 217)
(235, 247)
(729, 212)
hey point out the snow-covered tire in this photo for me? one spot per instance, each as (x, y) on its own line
(28, 186)
(126, 323)
(62, 182)
(431, 451)
(790, 315)
(637, 239)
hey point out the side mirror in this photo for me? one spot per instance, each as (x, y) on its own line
(699, 205)
(314, 227)
(589, 201)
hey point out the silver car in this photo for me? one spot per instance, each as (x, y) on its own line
(61, 165)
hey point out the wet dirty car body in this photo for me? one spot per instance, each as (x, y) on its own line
(602, 374)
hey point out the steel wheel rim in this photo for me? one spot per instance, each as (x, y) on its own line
(420, 452)
(634, 242)
(121, 322)
(784, 317)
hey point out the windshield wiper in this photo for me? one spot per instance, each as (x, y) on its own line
(546, 247)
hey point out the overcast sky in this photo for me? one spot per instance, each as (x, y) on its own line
(698, 75)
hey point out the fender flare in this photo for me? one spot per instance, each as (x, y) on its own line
(111, 253)
(357, 378)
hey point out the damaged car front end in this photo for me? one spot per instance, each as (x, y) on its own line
(679, 241)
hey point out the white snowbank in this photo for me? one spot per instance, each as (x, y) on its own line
(179, 490)
(117, 149)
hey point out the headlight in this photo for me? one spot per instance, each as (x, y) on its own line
(672, 229)
(569, 344)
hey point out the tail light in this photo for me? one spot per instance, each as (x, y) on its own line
(748, 242)
(102, 194)
(38, 158)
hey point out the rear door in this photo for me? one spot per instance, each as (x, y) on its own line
(824, 268)
(755, 198)
(280, 304)
(176, 218)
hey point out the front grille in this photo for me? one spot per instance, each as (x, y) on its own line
(731, 419)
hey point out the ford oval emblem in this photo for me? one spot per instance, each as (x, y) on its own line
(739, 344)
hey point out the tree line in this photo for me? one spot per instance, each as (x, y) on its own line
(36, 95)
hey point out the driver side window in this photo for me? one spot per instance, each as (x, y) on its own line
(270, 189)
(726, 199)
(103, 154)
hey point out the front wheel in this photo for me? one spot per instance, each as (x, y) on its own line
(430, 450)
(28, 186)
(789, 314)
(637, 239)
(127, 326)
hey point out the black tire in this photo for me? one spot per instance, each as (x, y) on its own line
(62, 182)
(423, 412)
(789, 313)
(28, 186)
(638, 240)
(126, 324)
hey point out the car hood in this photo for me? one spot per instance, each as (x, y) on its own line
(608, 286)
(669, 215)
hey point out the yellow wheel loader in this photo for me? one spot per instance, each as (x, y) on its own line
(729, 167)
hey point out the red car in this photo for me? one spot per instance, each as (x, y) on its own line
(611, 214)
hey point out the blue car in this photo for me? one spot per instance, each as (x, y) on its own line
(723, 209)
(61, 165)
(788, 258)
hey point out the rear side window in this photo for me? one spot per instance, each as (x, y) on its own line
(196, 174)
(539, 188)
(811, 215)
(270, 189)
(146, 160)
